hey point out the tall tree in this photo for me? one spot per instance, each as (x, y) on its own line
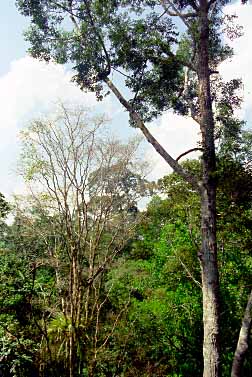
(163, 70)
(81, 173)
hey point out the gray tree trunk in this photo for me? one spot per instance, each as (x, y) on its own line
(207, 189)
(242, 344)
(208, 253)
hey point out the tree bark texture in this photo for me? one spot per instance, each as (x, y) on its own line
(242, 344)
(208, 253)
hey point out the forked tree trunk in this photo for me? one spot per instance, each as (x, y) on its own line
(208, 254)
(242, 344)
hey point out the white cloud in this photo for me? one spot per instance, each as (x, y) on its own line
(31, 84)
(176, 134)
(240, 65)
(29, 88)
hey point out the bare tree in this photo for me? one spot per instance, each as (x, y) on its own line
(87, 177)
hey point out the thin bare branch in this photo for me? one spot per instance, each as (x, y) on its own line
(187, 152)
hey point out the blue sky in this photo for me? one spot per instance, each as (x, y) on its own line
(12, 42)
(29, 88)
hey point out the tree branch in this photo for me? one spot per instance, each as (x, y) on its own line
(189, 273)
(99, 36)
(189, 151)
(151, 139)
(176, 13)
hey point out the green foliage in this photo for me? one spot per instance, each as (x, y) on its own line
(17, 344)
(160, 326)
(152, 291)
(16, 355)
(161, 274)
(135, 39)
(4, 207)
(140, 45)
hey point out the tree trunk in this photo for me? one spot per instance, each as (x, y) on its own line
(208, 254)
(242, 345)
(207, 188)
(73, 309)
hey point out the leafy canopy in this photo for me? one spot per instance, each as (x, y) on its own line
(136, 38)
